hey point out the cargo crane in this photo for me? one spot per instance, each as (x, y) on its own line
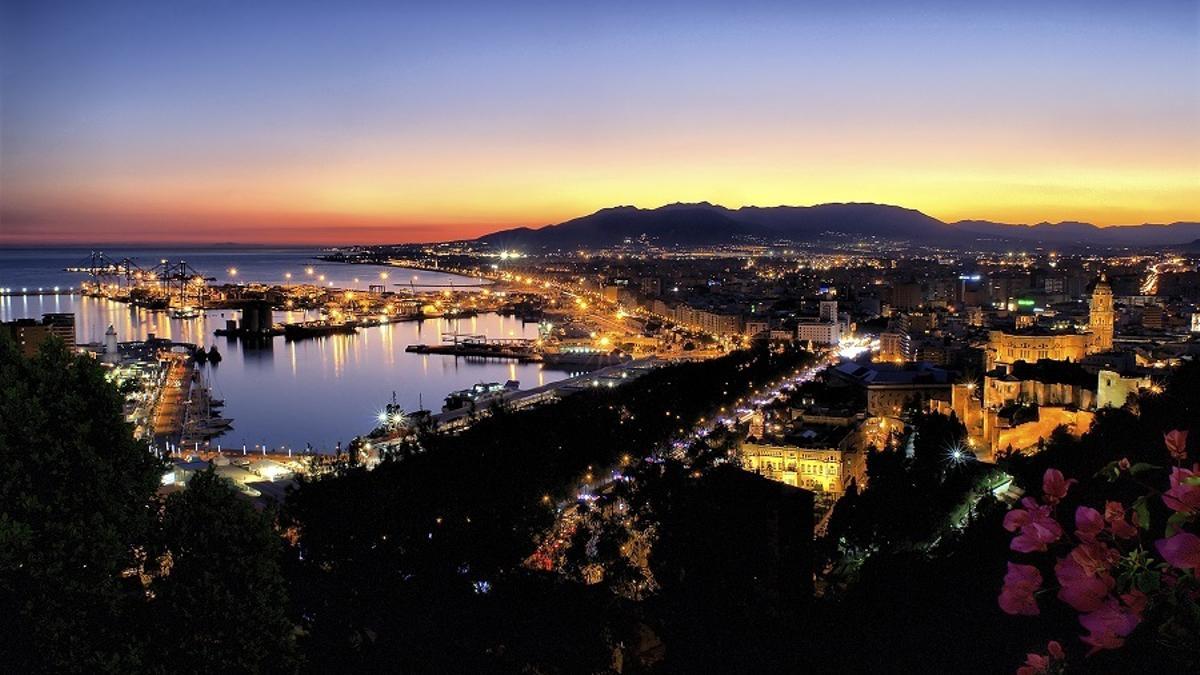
(104, 272)
(183, 287)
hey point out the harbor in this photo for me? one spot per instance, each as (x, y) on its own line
(286, 396)
(304, 350)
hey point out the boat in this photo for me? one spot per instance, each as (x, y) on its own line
(307, 329)
(479, 395)
(183, 313)
(582, 359)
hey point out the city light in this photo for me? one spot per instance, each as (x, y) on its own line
(958, 455)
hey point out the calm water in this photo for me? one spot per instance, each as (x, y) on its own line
(289, 393)
(33, 268)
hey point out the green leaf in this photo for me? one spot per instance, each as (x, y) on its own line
(1142, 467)
(1192, 480)
(1141, 513)
(1176, 521)
(1109, 472)
(1148, 582)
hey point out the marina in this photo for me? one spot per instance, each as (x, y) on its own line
(284, 395)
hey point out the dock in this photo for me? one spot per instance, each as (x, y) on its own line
(605, 377)
(31, 292)
(481, 346)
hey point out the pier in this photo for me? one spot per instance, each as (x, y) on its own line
(29, 292)
(520, 349)
(605, 377)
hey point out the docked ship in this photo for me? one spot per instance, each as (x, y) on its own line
(480, 395)
(582, 358)
(308, 329)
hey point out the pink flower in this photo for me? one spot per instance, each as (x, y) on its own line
(1054, 486)
(1084, 576)
(1124, 464)
(1108, 625)
(1181, 550)
(1176, 442)
(1040, 664)
(1055, 650)
(1035, 664)
(1114, 515)
(1088, 523)
(1136, 601)
(1184, 495)
(1020, 583)
(1038, 528)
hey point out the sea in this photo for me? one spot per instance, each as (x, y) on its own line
(299, 394)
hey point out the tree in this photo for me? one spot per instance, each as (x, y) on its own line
(74, 495)
(221, 603)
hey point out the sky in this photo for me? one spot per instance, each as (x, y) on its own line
(374, 122)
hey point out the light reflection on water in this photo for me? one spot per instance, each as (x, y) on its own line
(315, 391)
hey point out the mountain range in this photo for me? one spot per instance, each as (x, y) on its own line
(704, 223)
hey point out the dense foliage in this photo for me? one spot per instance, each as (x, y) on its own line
(75, 497)
(420, 564)
(401, 563)
(221, 605)
(83, 535)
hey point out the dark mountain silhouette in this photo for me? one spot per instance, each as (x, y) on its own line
(676, 224)
(1085, 233)
(704, 223)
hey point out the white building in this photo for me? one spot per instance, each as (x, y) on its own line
(112, 353)
(819, 332)
(1113, 388)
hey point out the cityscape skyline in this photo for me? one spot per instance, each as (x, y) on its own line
(131, 123)
(625, 337)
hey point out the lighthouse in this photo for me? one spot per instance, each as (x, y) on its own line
(111, 355)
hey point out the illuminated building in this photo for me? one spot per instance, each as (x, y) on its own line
(1114, 389)
(717, 322)
(819, 332)
(893, 347)
(1035, 343)
(818, 460)
(891, 388)
(1100, 323)
(112, 353)
(29, 334)
(757, 326)
(1045, 383)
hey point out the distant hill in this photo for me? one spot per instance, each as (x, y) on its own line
(704, 223)
(1086, 233)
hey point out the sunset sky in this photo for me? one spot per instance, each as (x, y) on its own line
(344, 122)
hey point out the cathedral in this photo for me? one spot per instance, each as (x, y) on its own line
(1033, 344)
